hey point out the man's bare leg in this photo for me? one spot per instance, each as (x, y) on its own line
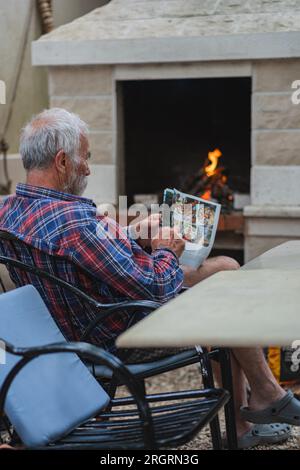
(240, 385)
(209, 267)
(264, 387)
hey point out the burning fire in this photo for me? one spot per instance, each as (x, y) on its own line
(213, 158)
(206, 195)
(210, 170)
(214, 181)
(210, 182)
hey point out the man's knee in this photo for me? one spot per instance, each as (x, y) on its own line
(227, 264)
(216, 264)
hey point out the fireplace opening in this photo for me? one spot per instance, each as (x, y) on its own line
(194, 135)
(171, 127)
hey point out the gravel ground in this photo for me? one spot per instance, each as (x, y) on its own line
(189, 378)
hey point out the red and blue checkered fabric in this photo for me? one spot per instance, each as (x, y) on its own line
(67, 226)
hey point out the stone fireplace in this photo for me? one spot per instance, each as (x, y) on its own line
(162, 82)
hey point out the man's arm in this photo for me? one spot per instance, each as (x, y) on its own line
(143, 231)
(106, 251)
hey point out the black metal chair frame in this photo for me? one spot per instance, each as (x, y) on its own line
(150, 425)
(147, 370)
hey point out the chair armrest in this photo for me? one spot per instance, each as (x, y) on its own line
(111, 308)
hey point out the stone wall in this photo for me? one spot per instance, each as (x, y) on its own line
(88, 91)
(276, 125)
(274, 215)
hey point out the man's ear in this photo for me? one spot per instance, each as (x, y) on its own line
(61, 162)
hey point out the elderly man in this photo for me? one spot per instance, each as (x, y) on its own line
(49, 213)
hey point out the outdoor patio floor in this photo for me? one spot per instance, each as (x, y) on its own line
(189, 377)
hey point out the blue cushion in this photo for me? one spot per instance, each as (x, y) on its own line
(54, 393)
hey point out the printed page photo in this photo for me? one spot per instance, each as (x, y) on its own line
(196, 220)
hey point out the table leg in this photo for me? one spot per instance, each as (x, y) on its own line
(225, 364)
(208, 382)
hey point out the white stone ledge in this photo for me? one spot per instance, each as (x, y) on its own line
(183, 70)
(166, 49)
(273, 93)
(291, 212)
(83, 97)
(275, 227)
(266, 131)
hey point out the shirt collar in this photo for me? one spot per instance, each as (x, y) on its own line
(36, 192)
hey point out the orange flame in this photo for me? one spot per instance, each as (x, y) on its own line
(213, 158)
(206, 195)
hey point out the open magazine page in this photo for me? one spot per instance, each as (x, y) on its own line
(196, 220)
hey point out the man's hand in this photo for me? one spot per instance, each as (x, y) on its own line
(146, 229)
(168, 238)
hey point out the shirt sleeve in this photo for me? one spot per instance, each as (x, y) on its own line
(105, 249)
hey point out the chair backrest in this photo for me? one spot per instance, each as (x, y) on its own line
(54, 393)
(78, 311)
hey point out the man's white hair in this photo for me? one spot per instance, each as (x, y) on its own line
(48, 132)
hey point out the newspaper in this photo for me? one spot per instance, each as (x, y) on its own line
(196, 220)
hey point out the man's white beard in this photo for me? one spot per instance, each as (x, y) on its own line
(76, 184)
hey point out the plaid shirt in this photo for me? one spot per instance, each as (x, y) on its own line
(67, 226)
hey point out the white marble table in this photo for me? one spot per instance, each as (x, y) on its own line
(285, 256)
(258, 305)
